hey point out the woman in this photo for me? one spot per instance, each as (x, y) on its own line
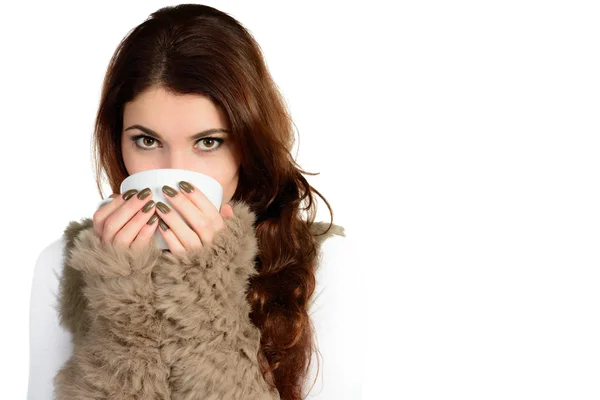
(189, 89)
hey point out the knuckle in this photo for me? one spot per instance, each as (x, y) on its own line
(96, 218)
(135, 245)
(208, 237)
(108, 230)
(97, 230)
(198, 225)
(203, 220)
(219, 225)
(104, 239)
(120, 241)
(146, 231)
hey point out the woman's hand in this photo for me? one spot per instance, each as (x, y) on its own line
(124, 220)
(202, 216)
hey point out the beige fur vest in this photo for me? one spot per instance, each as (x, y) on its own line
(153, 325)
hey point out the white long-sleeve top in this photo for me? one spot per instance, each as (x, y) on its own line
(335, 313)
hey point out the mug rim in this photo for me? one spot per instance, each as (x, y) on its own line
(169, 170)
(162, 171)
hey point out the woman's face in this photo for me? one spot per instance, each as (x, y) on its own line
(165, 130)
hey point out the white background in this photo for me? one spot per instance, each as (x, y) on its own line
(458, 141)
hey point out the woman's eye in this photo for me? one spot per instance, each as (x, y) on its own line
(210, 143)
(146, 142)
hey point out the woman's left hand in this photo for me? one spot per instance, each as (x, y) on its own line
(202, 216)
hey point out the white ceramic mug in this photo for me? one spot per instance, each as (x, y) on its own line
(155, 179)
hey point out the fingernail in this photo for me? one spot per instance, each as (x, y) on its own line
(144, 193)
(163, 207)
(148, 206)
(169, 191)
(127, 195)
(186, 186)
(162, 225)
(152, 219)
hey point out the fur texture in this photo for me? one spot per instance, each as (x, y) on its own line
(150, 324)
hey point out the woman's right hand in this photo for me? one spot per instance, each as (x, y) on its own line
(124, 220)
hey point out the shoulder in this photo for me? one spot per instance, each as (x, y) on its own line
(53, 253)
(337, 275)
(336, 314)
(54, 248)
(49, 276)
(49, 261)
(46, 278)
(49, 344)
(337, 248)
(45, 288)
(48, 265)
(337, 252)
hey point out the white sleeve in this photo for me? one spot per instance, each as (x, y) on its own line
(49, 343)
(338, 319)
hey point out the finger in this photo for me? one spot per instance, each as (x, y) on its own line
(171, 239)
(127, 234)
(188, 237)
(107, 200)
(226, 211)
(145, 235)
(104, 211)
(201, 202)
(133, 202)
(205, 224)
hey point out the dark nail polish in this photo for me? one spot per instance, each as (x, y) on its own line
(162, 225)
(148, 206)
(152, 219)
(163, 207)
(127, 195)
(144, 193)
(169, 191)
(186, 186)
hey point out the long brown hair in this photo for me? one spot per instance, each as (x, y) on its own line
(192, 48)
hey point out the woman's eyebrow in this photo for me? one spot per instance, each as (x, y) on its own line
(194, 137)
